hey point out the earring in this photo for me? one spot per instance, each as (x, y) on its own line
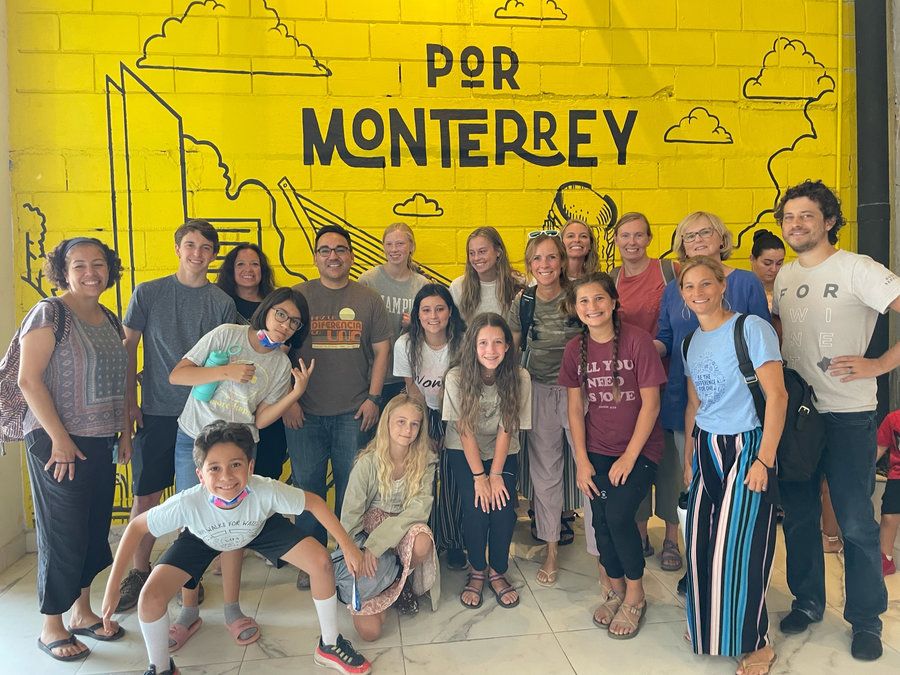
(726, 304)
(685, 312)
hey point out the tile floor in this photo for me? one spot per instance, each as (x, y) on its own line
(550, 631)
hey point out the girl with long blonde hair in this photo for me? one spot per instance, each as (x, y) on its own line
(487, 400)
(389, 497)
(489, 282)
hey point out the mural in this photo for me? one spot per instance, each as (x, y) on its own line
(272, 118)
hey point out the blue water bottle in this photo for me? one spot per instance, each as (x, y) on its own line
(205, 392)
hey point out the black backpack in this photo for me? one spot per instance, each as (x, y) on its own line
(526, 314)
(803, 438)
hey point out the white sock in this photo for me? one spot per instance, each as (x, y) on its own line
(156, 638)
(327, 611)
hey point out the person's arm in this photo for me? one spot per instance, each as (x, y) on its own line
(132, 340)
(643, 426)
(188, 373)
(134, 533)
(476, 466)
(499, 494)
(879, 452)
(771, 379)
(320, 511)
(857, 367)
(267, 413)
(690, 414)
(583, 467)
(368, 411)
(36, 350)
(664, 333)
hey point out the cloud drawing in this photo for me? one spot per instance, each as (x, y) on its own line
(534, 10)
(419, 205)
(698, 126)
(789, 72)
(208, 37)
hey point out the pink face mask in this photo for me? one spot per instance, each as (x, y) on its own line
(220, 503)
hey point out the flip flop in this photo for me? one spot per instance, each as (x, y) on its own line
(56, 644)
(545, 578)
(239, 626)
(95, 632)
(179, 635)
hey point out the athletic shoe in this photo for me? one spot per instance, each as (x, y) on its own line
(151, 670)
(888, 567)
(130, 589)
(341, 656)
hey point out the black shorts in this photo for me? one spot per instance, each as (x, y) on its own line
(153, 461)
(191, 554)
(890, 500)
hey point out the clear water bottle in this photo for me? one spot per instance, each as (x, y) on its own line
(205, 392)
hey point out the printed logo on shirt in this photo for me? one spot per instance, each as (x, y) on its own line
(343, 331)
(708, 379)
(600, 387)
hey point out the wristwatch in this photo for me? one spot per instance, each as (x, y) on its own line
(375, 398)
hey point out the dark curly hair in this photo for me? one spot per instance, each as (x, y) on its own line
(55, 267)
(225, 278)
(826, 200)
(221, 431)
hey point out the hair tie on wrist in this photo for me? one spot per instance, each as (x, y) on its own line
(476, 475)
(763, 463)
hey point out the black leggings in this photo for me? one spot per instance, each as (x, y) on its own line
(482, 530)
(613, 513)
(71, 519)
(271, 451)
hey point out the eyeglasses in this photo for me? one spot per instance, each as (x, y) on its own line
(705, 233)
(283, 317)
(534, 234)
(326, 251)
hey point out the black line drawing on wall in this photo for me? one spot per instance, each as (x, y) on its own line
(177, 46)
(577, 200)
(35, 252)
(789, 72)
(531, 10)
(698, 126)
(419, 206)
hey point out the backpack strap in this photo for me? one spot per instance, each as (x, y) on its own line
(114, 320)
(746, 367)
(667, 267)
(526, 314)
(62, 319)
(686, 343)
(614, 275)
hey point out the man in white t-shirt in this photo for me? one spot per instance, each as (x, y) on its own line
(828, 301)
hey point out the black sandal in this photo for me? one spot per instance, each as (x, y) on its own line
(566, 533)
(407, 602)
(503, 591)
(469, 588)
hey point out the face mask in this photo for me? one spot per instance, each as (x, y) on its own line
(265, 341)
(220, 503)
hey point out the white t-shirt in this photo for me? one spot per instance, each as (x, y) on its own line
(430, 378)
(488, 302)
(489, 414)
(226, 529)
(233, 401)
(830, 310)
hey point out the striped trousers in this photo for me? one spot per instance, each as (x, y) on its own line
(446, 512)
(730, 543)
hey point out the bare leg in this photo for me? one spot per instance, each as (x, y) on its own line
(830, 529)
(422, 547)
(53, 630)
(369, 627)
(83, 616)
(634, 596)
(550, 567)
(163, 584)
(232, 563)
(311, 557)
(141, 559)
(890, 522)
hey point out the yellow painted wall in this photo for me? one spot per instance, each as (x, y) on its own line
(127, 116)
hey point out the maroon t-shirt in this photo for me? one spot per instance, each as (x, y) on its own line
(610, 424)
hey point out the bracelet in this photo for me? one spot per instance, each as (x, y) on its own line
(763, 463)
(476, 475)
(375, 398)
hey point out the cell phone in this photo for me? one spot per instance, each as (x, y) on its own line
(355, 600)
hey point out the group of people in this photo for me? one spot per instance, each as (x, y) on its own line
(436, 407)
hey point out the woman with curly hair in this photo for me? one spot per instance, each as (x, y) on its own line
(487, 401)
(613, 374)
(72, 375)
(422, 357)
(389, 499)
(489, 283)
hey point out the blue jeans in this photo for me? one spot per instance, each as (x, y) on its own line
(322, 438)
(185, 469)
(848, 463)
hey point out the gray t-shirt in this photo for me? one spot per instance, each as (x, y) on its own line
(550, 332)
(398, 298)
(344, 324)
(172, 317)
(489, 302)
(489, 414)
(85, 375)
(830, 310)
(233, 401)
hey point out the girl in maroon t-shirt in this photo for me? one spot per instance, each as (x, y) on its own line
(613, 373)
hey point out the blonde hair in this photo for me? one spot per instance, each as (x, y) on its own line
(717, 225)
(407, 230)
(591, 262)
(419, 455)
(713, 265)
(531, 248)
(507, 286)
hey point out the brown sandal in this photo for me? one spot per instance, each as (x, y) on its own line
(630, 616)
(609, 608)
(469, 588)
(505, 590)
(762, 666)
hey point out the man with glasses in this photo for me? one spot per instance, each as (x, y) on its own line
(350, 337)
(828, 301)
